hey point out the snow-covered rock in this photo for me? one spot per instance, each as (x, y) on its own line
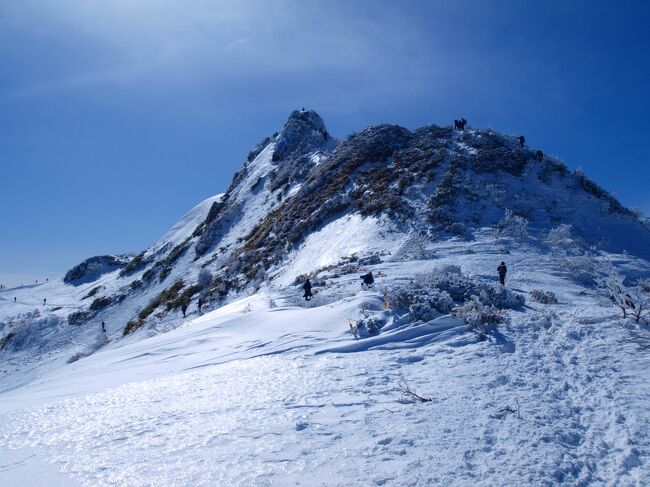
(92, 268)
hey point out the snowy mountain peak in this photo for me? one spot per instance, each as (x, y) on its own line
(303, 203)
(303, 133)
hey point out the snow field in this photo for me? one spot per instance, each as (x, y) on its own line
(252, 394)
(337, 419)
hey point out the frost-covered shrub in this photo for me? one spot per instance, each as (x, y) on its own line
(544, 319)
(369, 326)
(6, 340)
(79, 317)
(100, 303)
(560, 236)
(422, 304)
(481, 317)
(350, 268)
(370, 260)
(414, 248)
(436, 292)
(92, 292)
(370, 323)
(92, 268)
(461, 288)
(499, 296)
(543, 297)
(205, 278)
(581, 269)
(317, 300)
(511, 225)
(644, 285)
(633, 302)
(449, 269)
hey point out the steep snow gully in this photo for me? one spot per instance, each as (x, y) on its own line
(448, 378)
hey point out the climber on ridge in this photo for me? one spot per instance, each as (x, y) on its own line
(307, 287)
(502, 270)
(368, 279)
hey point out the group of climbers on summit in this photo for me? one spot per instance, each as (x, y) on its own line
(460, 126)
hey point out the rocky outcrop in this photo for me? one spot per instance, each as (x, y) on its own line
(92, 268)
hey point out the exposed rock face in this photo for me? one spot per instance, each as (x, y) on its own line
(272, 168)
(436, 180)
(303, 137)
(304, 132)
(92, 268)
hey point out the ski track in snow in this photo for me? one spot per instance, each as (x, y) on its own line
(249, 395)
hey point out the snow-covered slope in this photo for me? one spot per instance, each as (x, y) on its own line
(262, 393)
(553, 394)
(185, 226)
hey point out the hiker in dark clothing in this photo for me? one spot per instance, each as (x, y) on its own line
(307, 287)
(522, 141)
(44, 301)
(368, 279)
(502, 270)
(539, 155)
(463, 122)
(184, 307)
(199, 304)
(103, 327)
(14, 299)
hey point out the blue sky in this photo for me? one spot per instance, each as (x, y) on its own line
(117, 117)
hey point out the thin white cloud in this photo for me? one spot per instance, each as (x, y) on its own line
(148, 40)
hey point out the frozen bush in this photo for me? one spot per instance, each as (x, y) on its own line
(482, 318)
(499, 296)
(634, 301)
(644, 285)
(414, 248)
(370, 260)
(450, 269)
(436, 292)
(370, 326)
(422, 304)
(79, 317)
(317, 300)
(560, 237)
(205, 278)
(581, 269)
(301, 279)
(460, 288)
(544, 319)
(512, 225)
(543, 297)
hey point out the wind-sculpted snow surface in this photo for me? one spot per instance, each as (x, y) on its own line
(257, 393)
(339, 419)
